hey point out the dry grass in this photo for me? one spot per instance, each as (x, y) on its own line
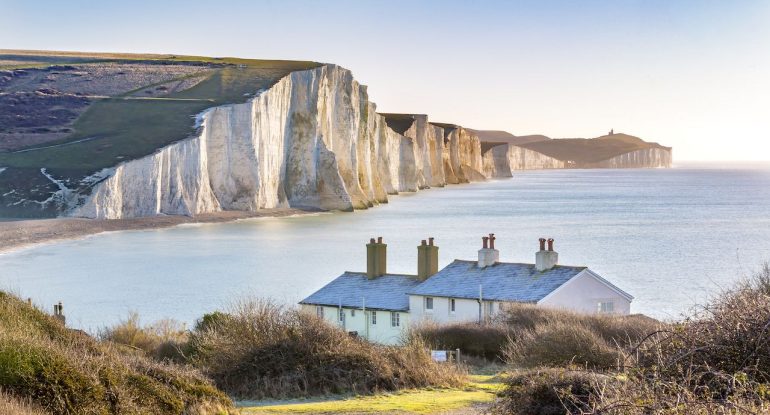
(556, 338)
(260, 350)
(11, 405)
(162, 340)
(68, 372)
(486, 341)
(715, 362)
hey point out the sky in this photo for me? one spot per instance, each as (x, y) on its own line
(694, 75)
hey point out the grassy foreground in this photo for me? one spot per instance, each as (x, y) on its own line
(479, 390)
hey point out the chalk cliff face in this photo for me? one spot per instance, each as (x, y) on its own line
(502, 160)
(313, 140)
(645, 158)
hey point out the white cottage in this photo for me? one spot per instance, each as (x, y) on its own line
(379, 306)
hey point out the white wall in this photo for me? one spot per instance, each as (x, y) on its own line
(465, 310)
(583, 294)
(381, 332)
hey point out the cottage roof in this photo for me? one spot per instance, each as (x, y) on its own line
(387, 292)
(499, 282)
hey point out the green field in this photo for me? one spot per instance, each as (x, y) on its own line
(123, 128)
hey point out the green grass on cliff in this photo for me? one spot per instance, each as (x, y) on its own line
(118, 129)
(63, 371)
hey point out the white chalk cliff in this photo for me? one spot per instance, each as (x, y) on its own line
(313, 140)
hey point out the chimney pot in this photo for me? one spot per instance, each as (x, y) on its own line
(379, 239)
(371, 241)
(550, 244)
(430, 241)
(492, 241)
(485, 240)
(423, 242)
(542, 244)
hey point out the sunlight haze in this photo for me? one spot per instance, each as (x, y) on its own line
(694, 75)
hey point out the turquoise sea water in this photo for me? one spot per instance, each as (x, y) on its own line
(670, 237)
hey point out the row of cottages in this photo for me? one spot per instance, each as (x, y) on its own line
(380, 306)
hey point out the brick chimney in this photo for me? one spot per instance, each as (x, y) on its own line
(58, 312)
(376, 258)
(488, 255)
(427, 259)
(546, 259)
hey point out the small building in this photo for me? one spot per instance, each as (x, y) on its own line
(380, 306)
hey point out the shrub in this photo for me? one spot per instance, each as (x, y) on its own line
(262, 350)
(485, 341)
(67, 372)
(559, 343)
(550, 392)
(715, 362)
(162, 340)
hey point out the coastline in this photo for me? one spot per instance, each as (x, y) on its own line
(26, 233)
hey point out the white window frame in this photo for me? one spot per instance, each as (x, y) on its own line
(601, 306)
(374, 318)
(395, 319)
(452, 306)
(319, 311)
(429, 304)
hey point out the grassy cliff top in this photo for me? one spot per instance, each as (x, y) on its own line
(499, 137)
(112, 107)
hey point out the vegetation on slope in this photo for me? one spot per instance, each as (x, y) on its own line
(259, 350)
(64, 371)
(715, 362)
(117, 124)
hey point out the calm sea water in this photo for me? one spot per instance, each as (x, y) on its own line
(669, 237)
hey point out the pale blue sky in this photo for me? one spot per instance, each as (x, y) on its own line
(691, 74)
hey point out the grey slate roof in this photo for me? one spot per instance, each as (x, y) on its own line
(500, 282)
(387, 292)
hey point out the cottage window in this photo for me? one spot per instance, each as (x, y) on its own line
(352, 313)
(490, 309)
(429, 304)
(342, 316)
(395, 319)
(374, 317)
(606, 307)
(319, 311)
(452, 305)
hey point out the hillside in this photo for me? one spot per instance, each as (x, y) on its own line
(116, 136)
(77, 113)
(593, 150)
(65, 371)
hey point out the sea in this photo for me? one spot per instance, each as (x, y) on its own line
(673, 238)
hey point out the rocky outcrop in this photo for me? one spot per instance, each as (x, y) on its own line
(313, 140)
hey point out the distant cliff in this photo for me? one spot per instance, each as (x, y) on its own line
(267, 134)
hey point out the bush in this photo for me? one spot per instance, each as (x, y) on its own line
(485, 341)
(162, 340)
(560, 344)
(261, 350)
(715, 362)
(67, 372)
(550, 392)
